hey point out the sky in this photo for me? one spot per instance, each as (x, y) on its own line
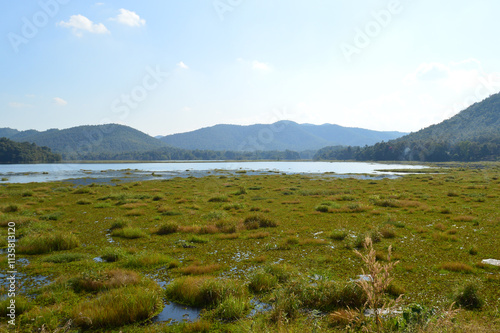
(171, 66)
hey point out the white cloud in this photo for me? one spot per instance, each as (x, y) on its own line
(260, 66)
(80, 23)
(182, 65)
(59, 101)
(129, 18)
(17, 105)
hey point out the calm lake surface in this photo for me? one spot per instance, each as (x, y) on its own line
(105, 172)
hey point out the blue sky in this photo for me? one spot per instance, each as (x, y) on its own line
(172, 66)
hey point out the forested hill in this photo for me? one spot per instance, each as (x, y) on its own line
(24, 152)
(280, 136)
(84, 141)
(471, 135)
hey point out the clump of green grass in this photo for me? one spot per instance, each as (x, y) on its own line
(203, 291)
(118, 307)
(23, 304)
(168, 228)
(119, 224)
(27, 193)
(198, 239)
(338, 235)
(94, 282)
(468, 297)
(129, 233)
(10, 208)
(260, 221)
(225, 226)
(103, 205)
(45, 243)
(231, 308)
(387, 232)
(82, 190)
(286, 305)
(216, 215)
(112, 254)
(148, 259)
(84, 202)
(219, 198)
(262, 282)
(64, 257)
(51, 216)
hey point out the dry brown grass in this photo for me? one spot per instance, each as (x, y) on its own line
(257, 235)
(200, 270)
(464, 218)
(456, 267)
(133, 205)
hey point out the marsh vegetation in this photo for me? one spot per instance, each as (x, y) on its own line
(226, 244)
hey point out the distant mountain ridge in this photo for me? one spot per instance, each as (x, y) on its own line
(77, 142)
(471, 135)
(282, 135)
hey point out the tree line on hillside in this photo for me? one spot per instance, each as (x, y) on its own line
(170, 153)
(481, 149)
(25, 152)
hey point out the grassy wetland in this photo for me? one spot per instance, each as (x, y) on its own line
(258, 253)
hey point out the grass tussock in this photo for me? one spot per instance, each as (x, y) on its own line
(149, 259)
(94, 282)
(118, 307)
(203, 291)
(456, 267)
(259, 221)
(64, 257)
(45, 243)
(129, 233)
(168, 228)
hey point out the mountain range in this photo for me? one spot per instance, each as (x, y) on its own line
(81, 141)
(281, 135)
(473, 134)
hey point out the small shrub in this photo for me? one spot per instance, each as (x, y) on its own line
(286, 306)
(473, 250)
(23, 304)
(469, 298)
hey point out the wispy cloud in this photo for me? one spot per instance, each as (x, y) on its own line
(59, 101)
(17, 105)
(182, 65)
(80, 23)
(260, 66)
(129, 18)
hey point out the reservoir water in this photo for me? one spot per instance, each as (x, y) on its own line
(104, 172)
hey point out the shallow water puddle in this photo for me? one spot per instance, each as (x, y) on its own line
(176, 313)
